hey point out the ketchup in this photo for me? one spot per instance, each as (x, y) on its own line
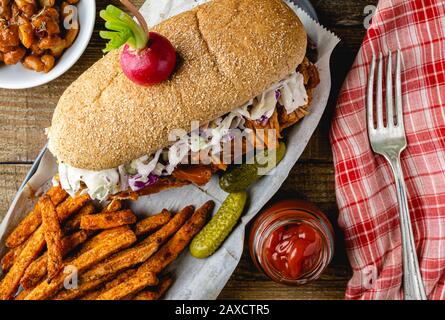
(294, 249)
(291, 242)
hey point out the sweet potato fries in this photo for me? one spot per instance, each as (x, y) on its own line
(65, 250)
(53, 235)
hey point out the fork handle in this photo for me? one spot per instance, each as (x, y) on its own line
(412, 280)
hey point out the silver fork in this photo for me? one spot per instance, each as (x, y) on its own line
(389, 141)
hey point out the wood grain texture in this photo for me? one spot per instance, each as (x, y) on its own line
(11, 177)
(248, 283)
(25, 113)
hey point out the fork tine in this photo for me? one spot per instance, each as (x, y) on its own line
(389, 94)
(399, 108)
(370, 96)
(379, 106)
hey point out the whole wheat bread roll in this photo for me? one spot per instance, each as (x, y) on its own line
(230, 51)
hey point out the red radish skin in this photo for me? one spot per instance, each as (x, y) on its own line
(151, 65)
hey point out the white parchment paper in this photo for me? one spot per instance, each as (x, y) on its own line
(204, 279)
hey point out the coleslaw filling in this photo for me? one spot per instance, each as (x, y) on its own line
(146, 170)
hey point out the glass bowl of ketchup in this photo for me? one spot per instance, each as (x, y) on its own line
(292, 242)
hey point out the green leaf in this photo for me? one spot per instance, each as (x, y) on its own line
(123, 30)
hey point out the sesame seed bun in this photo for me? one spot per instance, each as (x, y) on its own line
(230, 51)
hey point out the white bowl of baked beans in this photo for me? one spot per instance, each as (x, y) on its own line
(42, 39)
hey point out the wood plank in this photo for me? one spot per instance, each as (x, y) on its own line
(247, 283)
(345, 18)
(11, 177)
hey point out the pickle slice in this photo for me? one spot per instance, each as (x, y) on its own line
(216, 231)
(241, 177)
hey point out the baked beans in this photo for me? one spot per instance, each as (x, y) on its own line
(36, 32)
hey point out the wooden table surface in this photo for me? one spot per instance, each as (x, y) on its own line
(24, 115)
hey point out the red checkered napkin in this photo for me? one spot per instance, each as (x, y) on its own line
(365, 187)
